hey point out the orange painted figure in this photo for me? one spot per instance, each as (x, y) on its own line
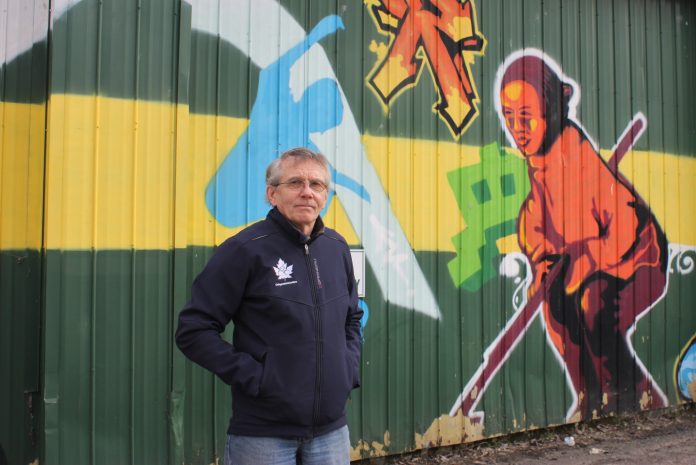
(582, 216)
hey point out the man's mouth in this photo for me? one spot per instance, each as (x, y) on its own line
(522, 141)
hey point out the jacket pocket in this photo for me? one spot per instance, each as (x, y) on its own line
(337, 382)
(286, 392)
(353, 371)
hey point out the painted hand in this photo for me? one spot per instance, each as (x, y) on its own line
(541, 270)
(578, 271)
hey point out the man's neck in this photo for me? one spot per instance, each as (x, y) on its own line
(317, 227)
(305, 229)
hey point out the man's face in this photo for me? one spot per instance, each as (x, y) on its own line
(300, 205)
(524, 116)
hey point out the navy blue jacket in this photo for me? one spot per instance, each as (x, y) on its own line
(295, 354)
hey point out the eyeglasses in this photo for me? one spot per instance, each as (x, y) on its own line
(298, 184)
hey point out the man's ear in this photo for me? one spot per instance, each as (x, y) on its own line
(270, 191)
(567, 91)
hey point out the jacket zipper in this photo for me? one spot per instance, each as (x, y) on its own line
(317, 332)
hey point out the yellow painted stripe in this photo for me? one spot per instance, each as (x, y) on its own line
(211, 139)
(21, 175)
(110, 166)
(132, 174)
(125, 174)
(415, 174)
(666, 183)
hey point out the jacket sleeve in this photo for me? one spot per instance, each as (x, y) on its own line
(216, 295)
(353, 332)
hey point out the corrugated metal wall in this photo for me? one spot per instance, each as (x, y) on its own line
(134, 136)
(22, 144)
(112, 152)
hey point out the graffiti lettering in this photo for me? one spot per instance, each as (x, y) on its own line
(489, 195)
(439, 33)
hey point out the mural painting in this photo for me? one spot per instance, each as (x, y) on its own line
(582, 272)
(598, 256)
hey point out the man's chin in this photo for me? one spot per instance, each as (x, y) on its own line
(305, 216)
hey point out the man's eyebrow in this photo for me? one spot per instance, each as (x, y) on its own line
(299, 178)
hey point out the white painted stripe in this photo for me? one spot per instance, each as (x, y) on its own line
(23, 24)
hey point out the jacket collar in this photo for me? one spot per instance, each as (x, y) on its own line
(291, 231)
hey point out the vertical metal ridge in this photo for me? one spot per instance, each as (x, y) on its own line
(133, 255)
(179, 271)
(94, 254)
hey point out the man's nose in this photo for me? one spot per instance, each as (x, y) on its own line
(306, 191)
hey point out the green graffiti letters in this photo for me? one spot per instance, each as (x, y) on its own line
(489, 195)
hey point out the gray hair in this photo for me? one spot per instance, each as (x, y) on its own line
(274, 172)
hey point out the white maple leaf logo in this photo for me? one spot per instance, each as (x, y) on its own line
(283, 270)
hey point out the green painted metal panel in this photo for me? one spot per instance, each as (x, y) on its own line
(13, 76)
(20, 336)
(118, 49)
(108, 366)
(23, 72)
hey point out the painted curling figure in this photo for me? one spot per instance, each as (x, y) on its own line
(583, 216)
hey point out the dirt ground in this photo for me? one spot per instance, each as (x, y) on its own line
(664, 437)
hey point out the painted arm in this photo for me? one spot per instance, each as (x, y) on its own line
(533, 242)
(615, 230)
(325, 27)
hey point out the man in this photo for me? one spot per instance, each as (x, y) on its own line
(287, 284)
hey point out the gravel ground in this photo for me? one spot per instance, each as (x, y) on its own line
(662, 437)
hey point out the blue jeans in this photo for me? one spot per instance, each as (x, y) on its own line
(332, 448)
